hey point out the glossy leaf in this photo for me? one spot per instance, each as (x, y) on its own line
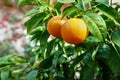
(32, 75)
(99, 22)
(116, 37)
(93, 28)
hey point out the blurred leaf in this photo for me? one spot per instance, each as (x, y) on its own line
(26, 2)
(5, 58)
(116, 37)
(110, 57)
(99, 22)
(87, 73)
(31, 12)
(93, 28)
(110, 13)
(87, 1)
(69, 10)
(32, 75)
(66, 1)
(35, 20)
(4, 64)
(4, 75)
(102, 1)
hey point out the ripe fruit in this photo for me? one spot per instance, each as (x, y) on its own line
(74, 31)
(54, 25)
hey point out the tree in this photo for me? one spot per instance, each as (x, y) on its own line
(51, 58)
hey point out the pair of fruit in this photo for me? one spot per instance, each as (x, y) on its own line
(73, 31)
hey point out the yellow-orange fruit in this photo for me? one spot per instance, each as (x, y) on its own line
(54, 25)
(74, 31)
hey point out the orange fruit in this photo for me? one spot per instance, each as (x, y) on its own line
(74, 31)
(54, 25)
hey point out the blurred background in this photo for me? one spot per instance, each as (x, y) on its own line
(13, 39)
(13, 36)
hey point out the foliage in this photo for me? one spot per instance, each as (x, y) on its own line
(49, 58)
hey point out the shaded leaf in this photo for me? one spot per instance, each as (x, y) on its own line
(116, 37)
(87, 73)
(110, 57)
(56, 57)
(46, 63)
(32, 75)
(109, 12)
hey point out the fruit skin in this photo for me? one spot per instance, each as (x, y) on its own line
(54, 25)
(74, 31)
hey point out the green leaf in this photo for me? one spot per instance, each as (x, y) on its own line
(5, 59)
(77, 60)
(46, 63)
(87, 1)
(69, 10)
(50, 45)
(110, 57)
(66, 1)
(116, 37)
(93, 28)
(109, 12)
(99, 22)
(102, 1)
(31, 12)
(26, 2)
(6, 64)
(4, 75)
(88, 60)
(57, 6)
(56, 57)
(44, 37)
(34, 21)
(32, 75)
